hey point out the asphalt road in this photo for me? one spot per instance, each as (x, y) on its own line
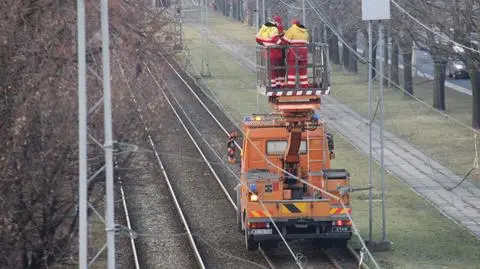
(424, 63)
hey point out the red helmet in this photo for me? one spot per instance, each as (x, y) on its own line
(277, 19)
(295, 21)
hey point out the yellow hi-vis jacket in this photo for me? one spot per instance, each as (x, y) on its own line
(268, 36)
(296, 36)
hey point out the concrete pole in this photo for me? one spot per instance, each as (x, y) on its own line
(82, 139)
(370, 114)
(108, 146)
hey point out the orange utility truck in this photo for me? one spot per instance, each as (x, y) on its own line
(286, 173)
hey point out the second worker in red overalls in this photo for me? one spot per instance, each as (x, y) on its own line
(297, 55)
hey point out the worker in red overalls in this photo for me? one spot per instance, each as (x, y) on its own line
(297, 38)
(268, 36)
(281, 72)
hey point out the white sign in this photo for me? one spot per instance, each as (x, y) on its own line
(373, 10)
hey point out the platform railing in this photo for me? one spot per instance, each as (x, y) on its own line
(317, 71)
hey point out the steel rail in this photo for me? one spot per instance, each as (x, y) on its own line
(172, 192)
(129, 225)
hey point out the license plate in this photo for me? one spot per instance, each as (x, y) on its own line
(340, 229)
(261, 231)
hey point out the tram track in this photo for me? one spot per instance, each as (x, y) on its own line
(275, 260)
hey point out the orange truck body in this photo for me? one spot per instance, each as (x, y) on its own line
(299, 210)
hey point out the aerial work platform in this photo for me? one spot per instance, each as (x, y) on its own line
(318, 72)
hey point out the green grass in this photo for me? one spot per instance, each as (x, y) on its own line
(422, 237)
(437, 136)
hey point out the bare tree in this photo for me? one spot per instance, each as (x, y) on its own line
(38, 134)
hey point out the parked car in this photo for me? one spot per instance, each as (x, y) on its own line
(457, 69)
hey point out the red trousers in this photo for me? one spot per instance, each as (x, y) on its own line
(277, 73)
(297, 65)
(281, 73)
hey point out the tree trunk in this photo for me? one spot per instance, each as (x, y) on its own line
(439, 88)
(234, 10)
(249, 19)
(334, 50)
(407, 72)
(475, 79)
(352, 58)
(385, 55)
(394, 77)
(345, 55)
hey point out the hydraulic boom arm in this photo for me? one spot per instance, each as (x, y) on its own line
(296, 112)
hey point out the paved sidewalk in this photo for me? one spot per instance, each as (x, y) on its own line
(424, 175)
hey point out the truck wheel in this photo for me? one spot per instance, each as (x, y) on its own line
(250, 243)
(268, 245)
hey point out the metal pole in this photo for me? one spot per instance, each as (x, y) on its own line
(263, 11)
(329, 70)
(204, 21)
(108, 146)
(256, 21)
(382, 169)
(206, 15)
(370, 112)
(201, 12)
(82, 139)
(303, 13)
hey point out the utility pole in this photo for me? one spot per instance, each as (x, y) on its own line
(82, 139)
(327, 52)
(303, 13)
(83, 114)
(370, 133)
(108, 143)
(205, 72)
(376, 10)
(382, 167)
(256, 15)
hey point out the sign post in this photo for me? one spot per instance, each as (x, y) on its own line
(376, 10)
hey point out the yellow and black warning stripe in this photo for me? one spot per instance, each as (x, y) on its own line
(293, 208)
